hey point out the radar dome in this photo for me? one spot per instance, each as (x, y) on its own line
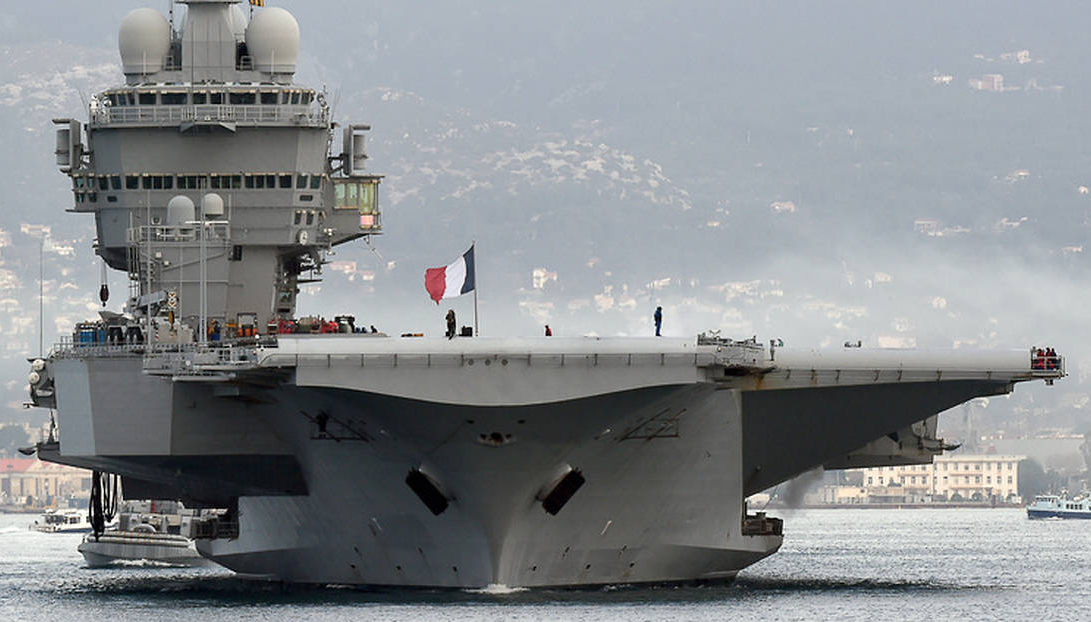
(273, 40)
(238, 22)
(180, 210)
(212, 205)
(144, 41)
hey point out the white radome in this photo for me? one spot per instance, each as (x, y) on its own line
(273, 40)
(144, 41)
(212, 205)
(180, 210)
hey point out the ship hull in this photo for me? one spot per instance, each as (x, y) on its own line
(514, 462)
(1058, 514)
(658, 504)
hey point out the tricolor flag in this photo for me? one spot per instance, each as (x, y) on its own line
(453, 280)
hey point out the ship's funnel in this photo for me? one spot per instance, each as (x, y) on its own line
(144, 41)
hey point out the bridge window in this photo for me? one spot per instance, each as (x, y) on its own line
(285, 181)
(268, 97)
(295, 98)
(226, 182)
(316, 182)
(307, 98)
(191, 182)
(200, 98)
(173, 99)
(147, 99)
(216, 99)
(242, 99)
(355, 195)
(158, 182)
(261, 181)
(301, 182)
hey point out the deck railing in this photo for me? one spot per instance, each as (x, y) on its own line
(241, 114)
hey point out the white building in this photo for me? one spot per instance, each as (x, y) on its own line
(949, 478)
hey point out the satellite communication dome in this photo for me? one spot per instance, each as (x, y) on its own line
(238, 22)
(144, 41)
(212, 205)
(180, 210)
(273, 40)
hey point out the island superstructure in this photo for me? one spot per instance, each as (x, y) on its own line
(358, 458)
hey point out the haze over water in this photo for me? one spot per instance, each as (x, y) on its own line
(835, 564)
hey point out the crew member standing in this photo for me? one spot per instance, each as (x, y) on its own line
(658, 320)
(451, 323)
(549, 331)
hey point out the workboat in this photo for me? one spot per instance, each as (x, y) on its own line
(147, 531)
(359, 458)
(62, 521)
(1059, 506)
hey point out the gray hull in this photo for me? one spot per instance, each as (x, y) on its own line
(652, 509)
(315, 442)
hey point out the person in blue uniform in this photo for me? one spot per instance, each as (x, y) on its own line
(658, 321)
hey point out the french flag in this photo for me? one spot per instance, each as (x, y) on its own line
(452, 280)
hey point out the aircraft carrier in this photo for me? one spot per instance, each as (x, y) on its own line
(353, 457)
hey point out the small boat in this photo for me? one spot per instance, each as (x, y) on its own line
(62, 521)
(1059, 506)
(151, 531)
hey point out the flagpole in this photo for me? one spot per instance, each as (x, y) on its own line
(473, 245)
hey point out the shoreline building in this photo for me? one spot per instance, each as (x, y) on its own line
(33, 483)
(969, 478)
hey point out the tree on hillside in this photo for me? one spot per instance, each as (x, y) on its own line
(1034, 480)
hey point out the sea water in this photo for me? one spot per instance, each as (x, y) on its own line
(836, 564)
